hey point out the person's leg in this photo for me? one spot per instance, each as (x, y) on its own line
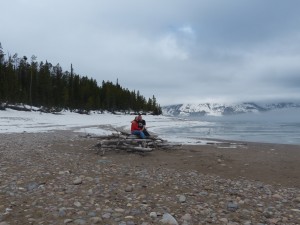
(139, 133)
(142, 135)
(146, 133)
(135, 132)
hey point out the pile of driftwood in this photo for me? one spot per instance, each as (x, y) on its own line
(122, 141)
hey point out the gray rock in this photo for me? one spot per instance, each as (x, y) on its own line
(277, 196)
(62, 212)
(77, 204)
(296, 210)
(130, 223)
(182, 199)
(136, 212)
(77, 181)
(297, 200)
(95, 220)
(129, 188)
(153, 215)
(232, 206)
(168, 219)
(32, 186)
(187, 217)
(92, 214)
(80, 221)
(4, 223)
(119, 210)
(106, 215)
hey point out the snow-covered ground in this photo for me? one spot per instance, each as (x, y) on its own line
(12, 121)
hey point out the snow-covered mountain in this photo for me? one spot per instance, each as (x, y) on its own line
(217, 109)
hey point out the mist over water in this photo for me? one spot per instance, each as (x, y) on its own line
(278, 126)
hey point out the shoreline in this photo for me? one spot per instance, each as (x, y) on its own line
(273, 163)
(57, 178)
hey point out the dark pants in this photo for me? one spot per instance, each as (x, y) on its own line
(146, 133)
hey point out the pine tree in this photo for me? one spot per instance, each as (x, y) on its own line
(41, 84)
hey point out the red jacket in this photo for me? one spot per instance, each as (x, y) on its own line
(134, 125)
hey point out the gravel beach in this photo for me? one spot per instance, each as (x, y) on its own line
(57, 178)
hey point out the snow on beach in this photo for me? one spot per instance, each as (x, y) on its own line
(12, 121)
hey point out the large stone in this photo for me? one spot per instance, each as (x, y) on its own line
(168, 219)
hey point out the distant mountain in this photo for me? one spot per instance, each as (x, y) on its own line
(216, 109)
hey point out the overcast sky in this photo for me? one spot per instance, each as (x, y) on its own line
(181, 51)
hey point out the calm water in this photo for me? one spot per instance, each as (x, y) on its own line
(282, 126)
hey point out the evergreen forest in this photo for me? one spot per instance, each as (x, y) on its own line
(42, 84)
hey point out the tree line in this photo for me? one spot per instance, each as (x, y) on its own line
(42, 84)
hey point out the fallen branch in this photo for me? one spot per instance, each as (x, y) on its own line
(123, 141)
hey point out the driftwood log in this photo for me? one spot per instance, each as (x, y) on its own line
(123, 141)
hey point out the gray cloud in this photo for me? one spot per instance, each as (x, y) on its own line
(180, 51)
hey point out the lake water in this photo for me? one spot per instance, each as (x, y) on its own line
(281, 126)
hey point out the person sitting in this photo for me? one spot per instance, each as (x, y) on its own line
(142, 125)
(135, 129)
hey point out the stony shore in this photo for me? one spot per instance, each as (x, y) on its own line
(56, 178)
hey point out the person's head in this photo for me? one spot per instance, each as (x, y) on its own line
(136, 118)
(140, 117)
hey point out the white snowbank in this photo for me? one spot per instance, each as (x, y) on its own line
(12, 121)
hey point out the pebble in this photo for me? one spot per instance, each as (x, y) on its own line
(224, 220)
(231, 206)
(153, 215)
(297, 199)
(129, 188)
(77, 181)
(106, 215)
(182, 199)
(95, 220)
(66, 221)
(186, 217)
(80, 221)
(277, 196)
(32, 186)
(119, 210)
(77, 204)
